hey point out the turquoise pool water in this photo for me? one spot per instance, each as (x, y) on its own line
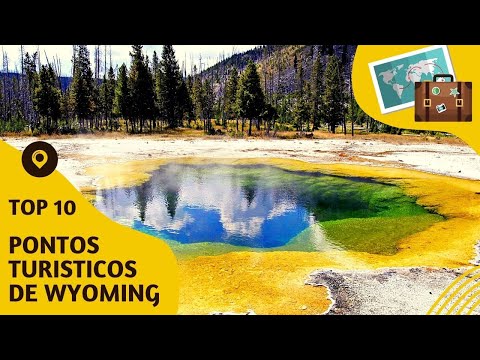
(219, 208)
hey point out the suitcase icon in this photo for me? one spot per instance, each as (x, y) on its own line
(443, 100)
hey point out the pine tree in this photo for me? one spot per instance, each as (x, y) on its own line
(169, 86)
(121, 104)
(300, 80)
(17, 105)
(308, 99)
(189, 83)
(269, 114)
(66, 109)
(103, 98)
(300, 112)
(198, 95)
(140, 84)
(230, 95)
(96, 105)
(134, 85)
(184, 101)
(317, 88)
(158, 96)
(333, 95)
(156, 85)
(30, 70)
(107, 96)
(207, 105)
(300, 109)
(47, 98)
(110, 96)
(250, 98)
(191, 105)
(150, 106)
(155, 63)
(82, 85)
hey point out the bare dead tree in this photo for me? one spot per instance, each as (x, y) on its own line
(23, 90)
(97, 65)
(279, 70)
(58, 70)
(55, 65)
(74, 60)
(223, 80)
(105, 79)
(271, 68)
(200, 76)
(264, 68)
(21, 60)
(105, 61)
(46, 57)
(7, 90)
(95, 62)
(38, 58)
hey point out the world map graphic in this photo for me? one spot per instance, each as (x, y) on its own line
(396, 79)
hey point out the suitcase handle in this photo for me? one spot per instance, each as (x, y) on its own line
(443, 75)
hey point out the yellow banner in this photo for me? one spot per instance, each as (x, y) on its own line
(60, 255)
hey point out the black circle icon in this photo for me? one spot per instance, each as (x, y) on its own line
(39, 159)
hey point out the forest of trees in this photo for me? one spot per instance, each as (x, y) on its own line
(151, 95)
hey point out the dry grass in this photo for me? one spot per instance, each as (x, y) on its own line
(188, 133)
(394, 139)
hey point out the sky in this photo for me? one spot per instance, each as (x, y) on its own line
(209, 54)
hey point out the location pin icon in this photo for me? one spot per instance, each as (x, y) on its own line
(39, 158)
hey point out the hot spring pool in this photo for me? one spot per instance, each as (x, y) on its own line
(211, 208)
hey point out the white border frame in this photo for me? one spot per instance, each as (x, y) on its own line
(371, 65)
